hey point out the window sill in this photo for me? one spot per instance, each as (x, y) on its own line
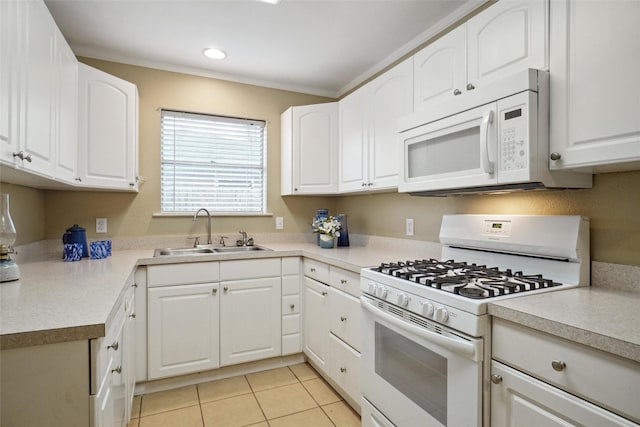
(213, 214)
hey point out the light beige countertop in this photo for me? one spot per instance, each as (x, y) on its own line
(604, 319)
(56, 301)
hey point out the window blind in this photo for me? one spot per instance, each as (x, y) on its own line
(212, 162)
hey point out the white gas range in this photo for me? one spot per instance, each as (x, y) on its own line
(425, 343)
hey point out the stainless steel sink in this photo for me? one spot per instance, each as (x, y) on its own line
(241, 249)
(181, 251)
(208, 249)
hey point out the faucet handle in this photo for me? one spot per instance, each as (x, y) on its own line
(196, 240)
(222, 242)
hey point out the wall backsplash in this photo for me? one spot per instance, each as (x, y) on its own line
(613, 205)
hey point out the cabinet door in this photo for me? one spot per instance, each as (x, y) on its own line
(315, 149)
(183, 329)
(353, 151)
(8, 89)
(107, 130)
(595, 90)
(37, 106)
(509, 36)
(67, 112)
(316, 329)
(520, 400)
(440, 69)
(391, 97)
(344, 365)
(250, 317)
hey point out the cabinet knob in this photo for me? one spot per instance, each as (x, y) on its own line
(118, 370)
(214, 291)
(470, 86)
(114, 346)
(313, 270)
(343, 281)
(496, 379)
(23, 156)
(364, 184)
(324, 293)
(343, 369)
(457, 92)
(343, 319)
(133, 316)
(558, 365)
(292, 306)
(226, 288)
(135, 285)
(295, 189)
(555, 156)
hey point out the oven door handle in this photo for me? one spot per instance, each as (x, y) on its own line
(457, 346)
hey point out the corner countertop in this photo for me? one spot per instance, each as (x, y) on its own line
(604, 319)
(56, 301)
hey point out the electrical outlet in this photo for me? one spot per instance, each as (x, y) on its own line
(101, 225)
(409, 226)
(279, 223)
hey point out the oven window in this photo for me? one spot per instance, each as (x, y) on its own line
(415, 371)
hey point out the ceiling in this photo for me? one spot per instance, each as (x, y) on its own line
(321, 47)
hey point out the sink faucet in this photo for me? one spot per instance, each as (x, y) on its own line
(208, 223)
(244, 237)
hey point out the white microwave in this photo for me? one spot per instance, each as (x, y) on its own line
(493, 139)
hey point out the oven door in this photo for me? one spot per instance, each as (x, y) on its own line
(459, 151)
(416, 372)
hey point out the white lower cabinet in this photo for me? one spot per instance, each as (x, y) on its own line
(343, 366)
(316, 329)
(291, 306)
(250, 320)
(183, 329)
(542, 380)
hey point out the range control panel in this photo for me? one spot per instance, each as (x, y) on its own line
(497, 228)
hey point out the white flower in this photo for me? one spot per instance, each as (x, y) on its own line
(330, 226)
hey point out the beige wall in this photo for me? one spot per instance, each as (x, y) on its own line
(613, 205)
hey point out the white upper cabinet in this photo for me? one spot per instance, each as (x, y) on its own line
(8, 142)
(108, 131)
(507, 37)
(595, 89)
(440, 69)
(309, 149)
(37, 127)
(368, 155)
(66, 111)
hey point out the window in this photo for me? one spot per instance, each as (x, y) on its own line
(212, 162)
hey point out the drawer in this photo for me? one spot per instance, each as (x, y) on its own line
(291, 344)
(346, 281)
(344, 366)
(179, 274)
(290, 265)
(291, 304)
(249, 269)
(594, 375)
(344, 317)
(316, 270)
(291, 285)
(291, 324)
(106, 352)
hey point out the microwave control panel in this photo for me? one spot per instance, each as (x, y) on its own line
(513, 139)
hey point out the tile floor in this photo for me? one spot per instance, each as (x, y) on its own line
(292, 396)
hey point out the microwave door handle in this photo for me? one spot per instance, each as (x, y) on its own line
(485, 154)
(457, 346)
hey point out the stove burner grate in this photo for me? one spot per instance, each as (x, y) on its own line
(465, 279)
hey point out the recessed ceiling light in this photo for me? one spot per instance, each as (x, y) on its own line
(214, 53)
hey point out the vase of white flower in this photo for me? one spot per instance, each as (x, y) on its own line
(328, 229)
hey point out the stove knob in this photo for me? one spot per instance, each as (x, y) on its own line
(427, 309)
(381, 292)
(372, 288)
(442, 315)
(403, 300)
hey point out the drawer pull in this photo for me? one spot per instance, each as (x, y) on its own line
(324, 293)
(343, 281)
(343, 319)
(496, 379)
(313, 270)
(343, 369)
(118, 370)
(114, 346)
(133, 316)
(558, 365)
